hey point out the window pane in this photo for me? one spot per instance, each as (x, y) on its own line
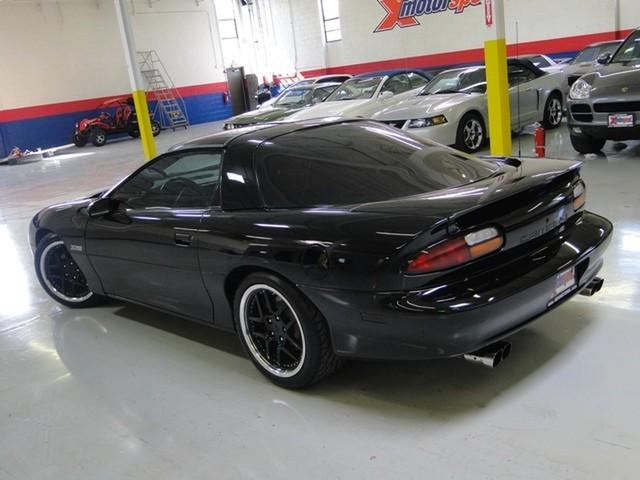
(358, 166)
(334, 36)
(175, 181)
(330, 9)
(228, 29)
(224, 9)
(331, 25)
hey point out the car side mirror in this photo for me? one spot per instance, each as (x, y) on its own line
(102, 206)
(386, 94)
(604, 58)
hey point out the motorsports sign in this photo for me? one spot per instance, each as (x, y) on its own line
(405, 13)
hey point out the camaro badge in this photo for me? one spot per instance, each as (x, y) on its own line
(625, 89)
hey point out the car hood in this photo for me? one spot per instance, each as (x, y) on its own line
(417, 107)
(613, 78)
(265, 114)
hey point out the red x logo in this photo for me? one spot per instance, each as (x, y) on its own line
(393, 8)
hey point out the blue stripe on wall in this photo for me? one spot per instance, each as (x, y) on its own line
(47, 132)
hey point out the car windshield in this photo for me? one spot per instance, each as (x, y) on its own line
(454, 81)
(347, 164)
(295, 96)
(300, 97)
(586, 55)
(630, 50)
(356, 89)
(539, 61)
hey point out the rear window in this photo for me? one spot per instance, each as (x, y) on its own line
(358, 163)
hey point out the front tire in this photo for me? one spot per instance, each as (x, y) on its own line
(286, 337)
(587, 145)
(79, 140)
(60, 276)
(472, 134)
(98, 137)
(155, 128)
(553, 112)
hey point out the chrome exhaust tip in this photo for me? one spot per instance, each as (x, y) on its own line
(593, 287)
(490, 356)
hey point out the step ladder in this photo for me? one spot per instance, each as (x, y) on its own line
(170, 109)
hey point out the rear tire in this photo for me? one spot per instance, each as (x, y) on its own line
(98, 137)
(587, 145)
(286, 336)
(60, 276)
(553, 112)
(472, 133)
(155, 128)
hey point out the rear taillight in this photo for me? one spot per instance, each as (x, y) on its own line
(579, 196)
(456, 251)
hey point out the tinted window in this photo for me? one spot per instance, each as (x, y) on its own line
(519, 74)
(630, 50)
(586, 55)
(188, 180)
(358, 163)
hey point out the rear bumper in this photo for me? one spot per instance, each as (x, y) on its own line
(450, 320)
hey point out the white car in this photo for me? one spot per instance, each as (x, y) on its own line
(364, 95)
(305, 83)
(452, 109)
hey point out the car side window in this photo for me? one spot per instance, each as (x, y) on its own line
(417, 81)
(397, 84)
(176, 180)
(519, 74)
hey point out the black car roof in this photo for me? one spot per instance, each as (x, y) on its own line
(257, 133)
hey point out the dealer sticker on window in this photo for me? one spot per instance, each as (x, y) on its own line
(565, 284)
(621, 120)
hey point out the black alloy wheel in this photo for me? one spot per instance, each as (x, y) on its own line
(60, 275)
(285, 336)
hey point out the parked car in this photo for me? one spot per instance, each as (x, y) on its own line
(113, 117)
(605, 105)
(453, 110)
(338, 78)
(290, 102)
(587, 60)
(321, 241)
(364, 95)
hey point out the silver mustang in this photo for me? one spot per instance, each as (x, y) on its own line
(452, 109)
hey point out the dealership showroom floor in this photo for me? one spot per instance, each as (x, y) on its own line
(343, 228)
(125, 392)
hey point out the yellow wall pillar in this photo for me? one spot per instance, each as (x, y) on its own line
(135, 79)
(495, 57)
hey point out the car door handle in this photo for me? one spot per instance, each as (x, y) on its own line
(183, 239)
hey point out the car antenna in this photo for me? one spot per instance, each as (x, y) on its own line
(518, 94)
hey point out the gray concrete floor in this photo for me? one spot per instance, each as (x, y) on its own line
(121, 392)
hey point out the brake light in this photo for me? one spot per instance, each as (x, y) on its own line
(579, 196)
(456, 251)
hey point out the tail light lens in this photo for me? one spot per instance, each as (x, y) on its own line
(456, 251)
(579, 196)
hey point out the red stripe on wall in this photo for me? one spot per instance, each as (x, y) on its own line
(558, 45)
(51, 109)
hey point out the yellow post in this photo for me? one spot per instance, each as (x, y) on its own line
(135, 79)
(495, 57)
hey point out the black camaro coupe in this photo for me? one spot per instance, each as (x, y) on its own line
(325, 240)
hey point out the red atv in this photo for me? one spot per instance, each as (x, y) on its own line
(112, 117)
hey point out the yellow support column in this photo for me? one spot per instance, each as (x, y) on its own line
(495, 57)
(135, 79)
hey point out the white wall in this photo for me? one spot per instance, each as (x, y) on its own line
(447, 32)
